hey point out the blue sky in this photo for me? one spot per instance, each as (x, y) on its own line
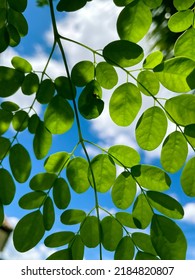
(86, 26)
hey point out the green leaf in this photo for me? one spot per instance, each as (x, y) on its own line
(181, 21)
(18, 21)
(4, 43)
(19, 6)
(1, 213)
(77, 248)
(61, 193)
(65, 87)
(42, 181)
(9, 106)
(168, 239)
(45, 91)
(134, 21)
(153, 4)
(73, 216)
(142, 213)
(89, 232)
(148, 83)
(166, 204)
(151, 177)
(184, 44)
(42, 141)
(112, 233)
(70, 6)
(5, 120)
(59, 116)
(125, 104)
(14, 36)
(10, 81)
(30, 84)
(153, 59)
(175, 145)
(28, 231)
(48, 213)
(188, 178)
(58, 239)
(181, 109)
(64, 254)
(125, 249)
(5, 145)
(189, 131)
(3, 12)
(106, 75)
(77, 174)
(121, 3)
(151, 128)
(21, 64)
(145, 256)
(123, 53)
(55, 163)
(32, 200)
(82, 73)
(125, 219)
(182, 5)
(33, 123)
(90, 104)
(20, 163)
(143, 242)
(124, 155)
(123, 190)
(7, 187)
(20, 120)
(104, 173)
(177, 69)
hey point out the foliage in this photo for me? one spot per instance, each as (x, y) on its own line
(138, 191)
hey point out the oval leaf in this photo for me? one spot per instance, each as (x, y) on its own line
(42, 141)
(106, 75)
(55, 163)
(20, 120)
(58, 239)
(124, 155)
(148, 83)
(32, 200)
(125, 249)
(72, 216)
(48, 213)
(153, 59)
(5, 120)
(181, 21)
(143, 242)
(65, 87)
(184, 44)
(5, 145)
(89, 232)
(82, 73)
(42, 181)
(61, 193)
(188, 178)
(45, 91)
(21, 64)
(7, 187)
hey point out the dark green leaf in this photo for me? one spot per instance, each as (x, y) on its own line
(33, 123)
(5, 145)
(123, 190)
(124, 155)
(123, 53)
(20, 120)
(112, 233)
(55, 163)
(7, 187)
(42, 181)
(20, 163)
(72, 216)
(153, 4)
(82, 73)
(145, 256)
(30, 84)
(168, 239)
(125, 249)
(61, 193)
(4, 43)
(151, 177)
(125, 104)
(18, 21)
(32, 200)
(1, 213)
(106, 75)
(45, 92)
(166, 204)
(28, 231)
(77, 174)
(64, 254)
(48, 213)
(77, 248)
(189, 131)
(121, 3)
(134, 21)
(102, 173)
(89, 232)
(9, 106)
(59, 116)
(188, 178)
(125, 219)
(3, 12)
(65, 87)
(143, 241)
(10, 81)
(5, 120)
(58, 239)
(21, 64)
(14, 36)
(42, 141)
(70, 6)
(19, 6)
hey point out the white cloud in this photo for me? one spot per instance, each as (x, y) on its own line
(189, 210)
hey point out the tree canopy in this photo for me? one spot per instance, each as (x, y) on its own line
(139, 192)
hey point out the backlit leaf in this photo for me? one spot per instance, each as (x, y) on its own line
(151, 177)
(121, 3)
(125, 104)
(56, 162)
(189, 131)
(168, 239)
(174, 152)
(9, 106)
(77, 248)
(145, 256)
(18, 21)
(143, 242)
(104, 173)
(30, 84)
(21, 64)
(124, 155)
(134, 21)
(182, 5)
(32, 200)
(77, 174)
(153, 4)
(181, 21)
(1, 213)
(184, 44)
(28, 231)
(48, 213)
(14, 36)
(153, 59)
(64, 254)
(42, 181)
(61, 193)
(5, 145)
(188, 178)
(42, 141)
(4, 43)
(20, 163)
(89, 232)
(112, 233)
(19, 6)
(58, 239)
(65, 87)
(151, 128)
(45, 91)
(59, 116)
(7, 187)
(72, 216)
(123, 190)
(5, 120)
(106, 75)
(148, 83)
(20, 120)
(82, 73)
(125, 249)
(70, 6)
(123, 53)
(33, 123)
(125, 219)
